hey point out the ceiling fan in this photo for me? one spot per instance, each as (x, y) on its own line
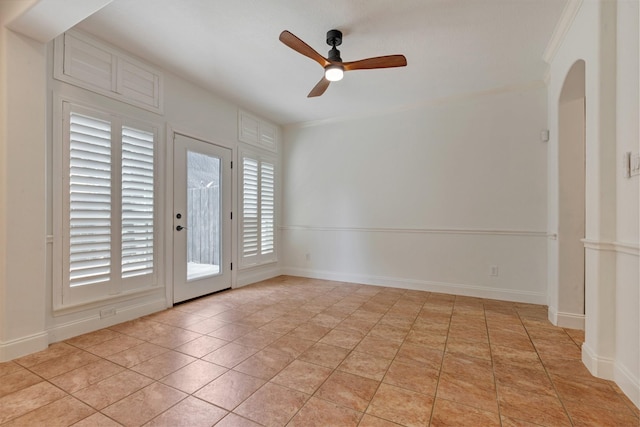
(334, 67)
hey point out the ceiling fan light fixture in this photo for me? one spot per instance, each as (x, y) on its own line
(334, 73)
(333, 66)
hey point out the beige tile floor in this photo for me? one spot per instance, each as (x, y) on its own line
(302, 352)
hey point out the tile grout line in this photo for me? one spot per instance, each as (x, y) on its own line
(564, 408)
(493, 368)
(444, 351)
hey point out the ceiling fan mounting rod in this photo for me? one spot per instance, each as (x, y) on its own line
(334, 38)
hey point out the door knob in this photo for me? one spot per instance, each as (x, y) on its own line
(179, 228)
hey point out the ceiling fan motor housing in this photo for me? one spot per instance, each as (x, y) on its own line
(334, 55)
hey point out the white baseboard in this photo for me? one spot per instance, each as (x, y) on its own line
(552, 315)
(257, 274)
(93, 322)
(627, 383)
(566, 320)
(601, 367)
(423, 285)
(570, 321)
(13, 349)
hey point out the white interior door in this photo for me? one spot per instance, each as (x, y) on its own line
(201, 218)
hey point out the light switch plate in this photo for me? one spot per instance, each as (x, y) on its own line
(635, 164)
(626, 165)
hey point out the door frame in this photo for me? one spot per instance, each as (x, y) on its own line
(167, 186)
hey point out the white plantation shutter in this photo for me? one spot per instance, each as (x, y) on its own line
(108, 219)
(137, 202)
(267, 202)
(89, 200)
(250, 192)
(258, 211)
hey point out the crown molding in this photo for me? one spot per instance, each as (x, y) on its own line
(564, 23)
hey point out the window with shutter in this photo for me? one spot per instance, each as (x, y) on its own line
(108, 225)
(258, 244)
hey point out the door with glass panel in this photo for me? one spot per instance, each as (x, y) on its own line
(201, 218)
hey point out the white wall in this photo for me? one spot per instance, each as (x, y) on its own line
(627, 306)
(22, 189)
(427, 198)
(571, 221)
(605, 36)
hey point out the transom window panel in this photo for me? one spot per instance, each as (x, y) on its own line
(86, 62)
(258, 245)
(107, 221)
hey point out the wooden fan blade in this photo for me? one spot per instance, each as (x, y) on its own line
(319, 89)
(377, 62)
(301, 47)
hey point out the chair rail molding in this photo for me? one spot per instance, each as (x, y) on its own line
(477, 231)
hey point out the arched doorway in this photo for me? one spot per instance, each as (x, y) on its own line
(571, 195)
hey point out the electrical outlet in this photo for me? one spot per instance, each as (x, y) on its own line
(493, 270)
(307, 257)
(107, 312)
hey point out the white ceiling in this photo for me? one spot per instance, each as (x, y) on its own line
(453, 47)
